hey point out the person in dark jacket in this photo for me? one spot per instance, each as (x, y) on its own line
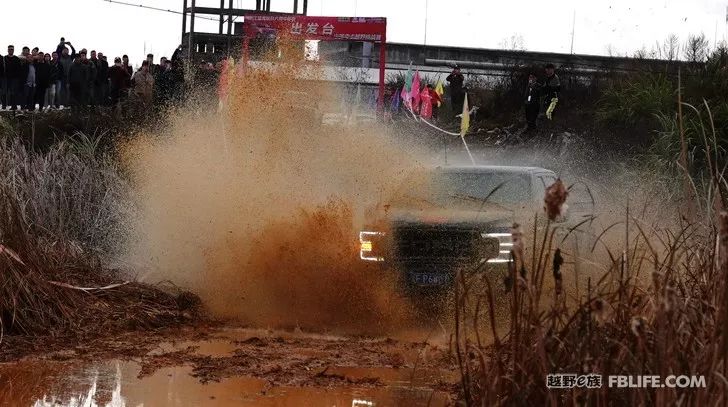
(12, 82)
(127, 66)
(79, 77)
(28, 71)
(101, 82)
(550, 89)
(532, 103)
(57, 80)
(42, 79)
(457, 94)
(119, 80)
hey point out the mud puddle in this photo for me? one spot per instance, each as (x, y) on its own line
(231, 367)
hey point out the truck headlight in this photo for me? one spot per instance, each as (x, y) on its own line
(505, 244)
(371, 246)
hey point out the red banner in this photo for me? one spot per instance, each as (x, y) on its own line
(370, 29)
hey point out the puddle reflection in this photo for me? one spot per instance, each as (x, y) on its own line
(116, 384)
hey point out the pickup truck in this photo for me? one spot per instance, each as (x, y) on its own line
(442, 218)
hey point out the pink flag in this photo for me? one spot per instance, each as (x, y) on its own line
(405, 97)
(426, 107)
(416, 92)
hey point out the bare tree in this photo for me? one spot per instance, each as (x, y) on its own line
(514, 43)
(670, 49)
(641, 53)
(611, 51)
(696, 48)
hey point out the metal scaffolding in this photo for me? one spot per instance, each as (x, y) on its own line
(215, 46)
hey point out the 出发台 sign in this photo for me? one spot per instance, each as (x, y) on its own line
(319, 28)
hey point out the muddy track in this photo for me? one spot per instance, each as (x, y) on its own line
(218, 355)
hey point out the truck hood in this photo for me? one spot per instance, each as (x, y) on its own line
(451, 217)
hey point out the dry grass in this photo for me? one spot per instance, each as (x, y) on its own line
(62, 214)
(659, 309)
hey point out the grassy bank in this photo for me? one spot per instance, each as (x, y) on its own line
(63, 214)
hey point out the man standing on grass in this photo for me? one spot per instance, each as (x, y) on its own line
(143, 83)
(42, 80)
(13, 82)
(550, 90)
(65, 60)
(532, 103)
(457, 94)
(102, 80)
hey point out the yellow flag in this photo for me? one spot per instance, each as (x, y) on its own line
(465, 119)
(439, 89)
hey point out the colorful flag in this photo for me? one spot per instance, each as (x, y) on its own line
(408, 79)
(440, 90)
(426, 108)
(404, 95)
(396, 101)
(415, 92)
(465, 119)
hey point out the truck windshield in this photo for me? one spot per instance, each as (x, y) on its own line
(450, 188)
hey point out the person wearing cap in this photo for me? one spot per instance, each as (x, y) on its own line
(457, 94)
(550, 89)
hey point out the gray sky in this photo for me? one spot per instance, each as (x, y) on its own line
(622, 25)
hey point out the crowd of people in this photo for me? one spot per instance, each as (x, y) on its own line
(66, 78)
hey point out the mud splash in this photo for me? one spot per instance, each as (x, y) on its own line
(255, 206)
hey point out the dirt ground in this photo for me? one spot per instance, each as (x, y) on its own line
(247, 365)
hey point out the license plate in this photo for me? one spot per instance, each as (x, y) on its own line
(430, 278)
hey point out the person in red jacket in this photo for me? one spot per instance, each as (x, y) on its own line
(435, 99)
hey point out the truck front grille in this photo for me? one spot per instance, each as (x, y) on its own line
(435, 243)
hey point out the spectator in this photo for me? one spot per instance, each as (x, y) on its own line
(550, 90)
(61, 45)
(79, 77)
(457, 94)
(152, 68)
(27, 65)
(57, 81)
(42, 80)
(94, 63)
(143, 85)
(164, 82)
(102, 80)
(125, 64)
(66, 60)
(435, 100)
(119, 82)
(13, 82)
(532, 102)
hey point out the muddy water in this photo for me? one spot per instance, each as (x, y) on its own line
(115, 384)
(179, 377)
